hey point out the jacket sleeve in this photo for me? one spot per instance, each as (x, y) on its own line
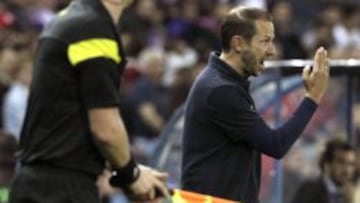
(232, 113)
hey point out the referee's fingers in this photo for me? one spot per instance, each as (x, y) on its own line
(161, 189)
(160, 175)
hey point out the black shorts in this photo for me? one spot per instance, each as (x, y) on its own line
(44, 184)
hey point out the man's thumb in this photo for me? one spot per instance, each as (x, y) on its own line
(306, 72)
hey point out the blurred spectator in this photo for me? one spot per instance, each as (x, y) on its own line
(148, 102)
(15, 101)
(219, 11)
(321, 30)
(7, 19)
(180, 88)
(331, 13)
(305, 10)
(182, 31)
(347, 34)
(179, 55)
(42, 12)
(335, 184)
(143, 22)
(8, 61)
(13, 49)
(292, 172)
(20, 9)
(320, 34)
(201, 27)
(182, 83)
(287, 30)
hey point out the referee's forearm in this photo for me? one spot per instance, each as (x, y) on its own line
(115, 148)
(110, 136)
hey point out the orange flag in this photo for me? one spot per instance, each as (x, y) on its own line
(182, 196)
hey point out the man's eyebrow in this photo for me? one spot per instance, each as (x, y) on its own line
(269, 36)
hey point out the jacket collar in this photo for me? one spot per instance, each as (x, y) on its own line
(226, 70)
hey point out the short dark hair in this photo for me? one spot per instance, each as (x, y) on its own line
(240, 21)
(330, 149)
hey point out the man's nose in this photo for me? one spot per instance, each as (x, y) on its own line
(271, 50)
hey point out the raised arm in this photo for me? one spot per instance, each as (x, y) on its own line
(233, 113)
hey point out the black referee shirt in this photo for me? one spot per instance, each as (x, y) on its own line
(77, 67)
(224, 136)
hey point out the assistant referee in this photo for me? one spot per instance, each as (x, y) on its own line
(72, 123)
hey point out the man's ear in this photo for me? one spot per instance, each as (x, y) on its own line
(238, 43)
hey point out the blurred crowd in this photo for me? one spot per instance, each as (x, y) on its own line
(168, 43)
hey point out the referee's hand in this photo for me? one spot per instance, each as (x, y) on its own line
(149, 183)
(316, 80)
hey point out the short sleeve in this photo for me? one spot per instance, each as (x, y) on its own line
(96, 56)
(99, 83)
(91, 38)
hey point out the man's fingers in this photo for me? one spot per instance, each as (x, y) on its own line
(322, 60)
(326, 62)
(306, 72)
(317, 59)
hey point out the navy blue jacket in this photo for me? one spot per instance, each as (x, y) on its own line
(224, 136)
